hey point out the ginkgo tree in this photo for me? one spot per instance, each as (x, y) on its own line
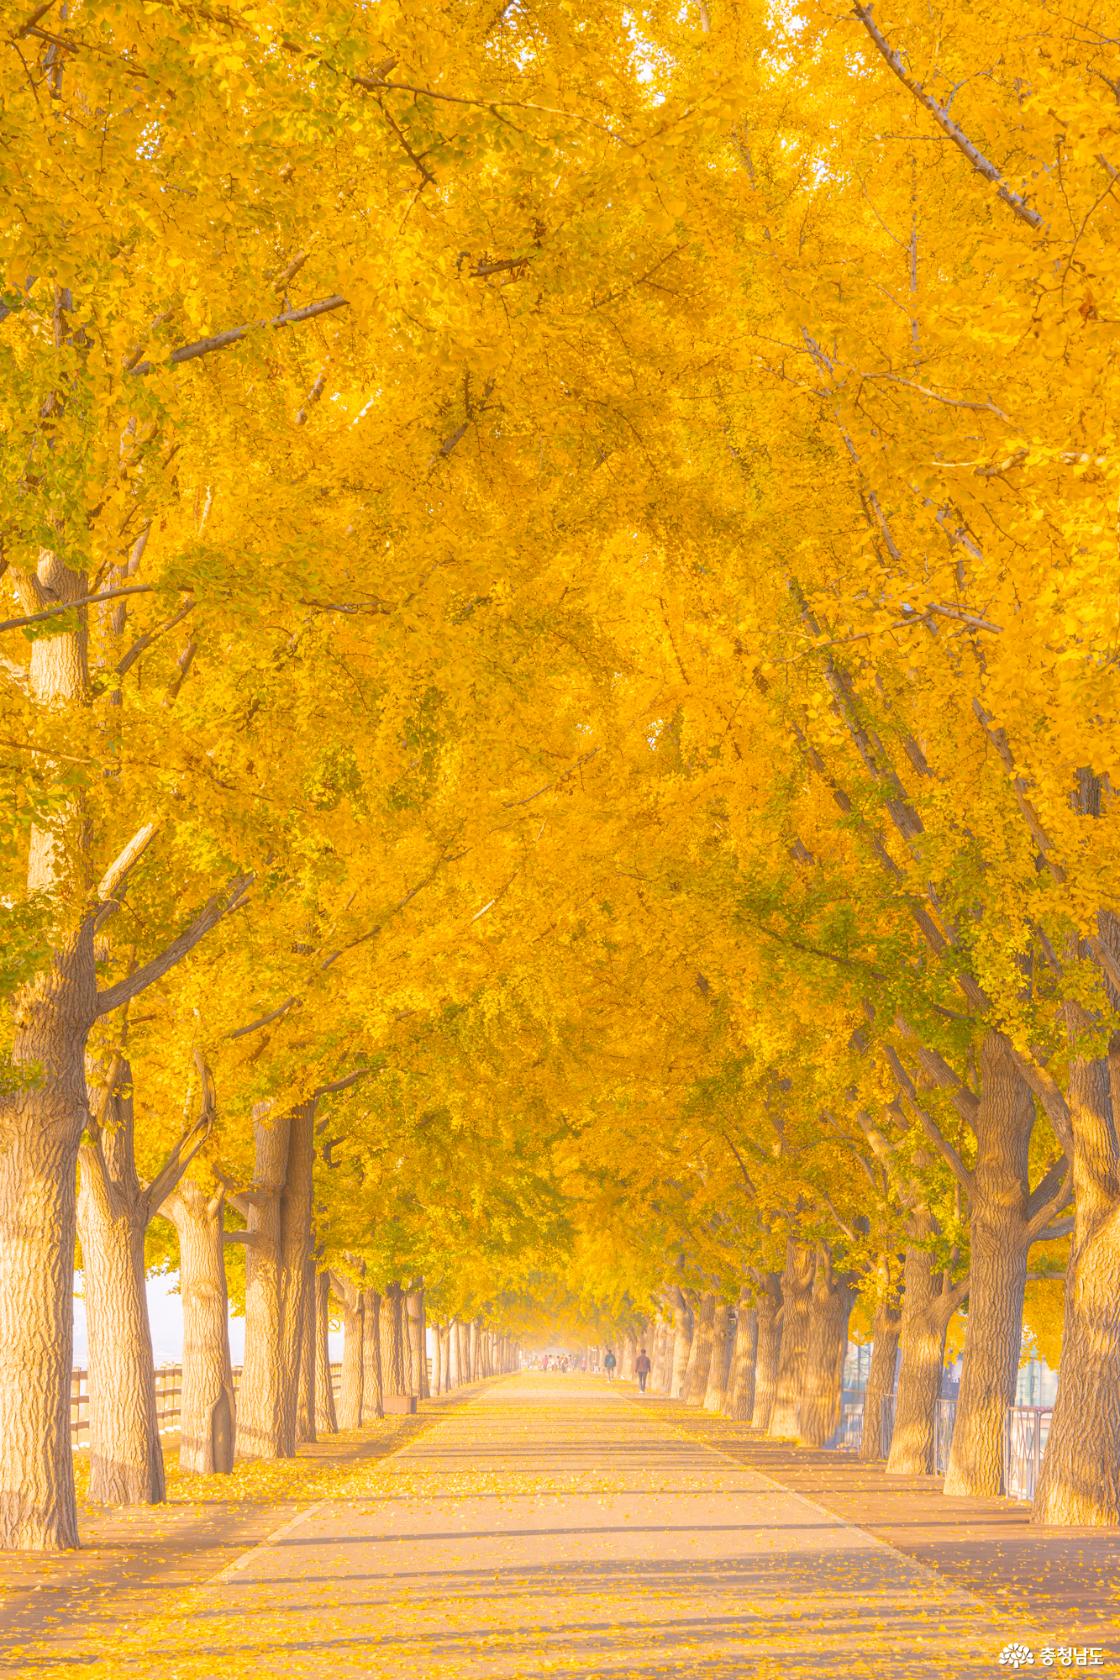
(559, 694)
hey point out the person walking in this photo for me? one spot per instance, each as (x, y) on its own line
(609, 1364)
(642, 1368)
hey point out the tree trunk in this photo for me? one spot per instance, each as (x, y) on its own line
(393, 1375)
(826, 1344)
(722, 1334)
(41, 1124)
(740, 1390)
(373, 1373)
(768, 1358)
(353, 1363)
(418, 1344)
(207, 1407)
(278, 1246)
(326, 1419)
(998, 1247)
(309, 1356)
(126, 1457)
(928, 1303)
(297, 1267)
(1080, 1480)
(700, 1354)
(682, 1344)
(880, 1378)
(661, 1376)
(259, 1421)
(797, 1287)
(472, 1357)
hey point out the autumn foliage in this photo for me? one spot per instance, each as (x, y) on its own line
(559, 710)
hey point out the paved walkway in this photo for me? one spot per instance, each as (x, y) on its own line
(553, 1526)
(1066, 1580)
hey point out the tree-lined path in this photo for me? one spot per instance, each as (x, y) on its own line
(551, 1525)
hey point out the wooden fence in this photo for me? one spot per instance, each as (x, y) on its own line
(169, 1393)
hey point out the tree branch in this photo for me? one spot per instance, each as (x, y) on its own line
(965, 1100)
(214, 912)
(111, 883)
(188, 1146)
(929, 1126)
(234, 335)
(1061, 1228)
(1050, 1195)
(82, 601)
(1049, 1094)
(983, 166)
(144, 642)
(747, 1180)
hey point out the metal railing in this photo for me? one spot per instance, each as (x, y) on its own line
(1024, 1441)
(1028, 1429)
(169, 1396)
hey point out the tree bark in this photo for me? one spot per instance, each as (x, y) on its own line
(740, 1391)
(682, 1344)
(297, 1267)
(326, 1419)
(700, 1353)
(797, 1286)
(880, 1378)
(826, 1344)
(374, 1314)
(259, 1422)
(207, 1406)
(393, 1376)
(418, 1344)
(41, 1124)
(999, 1242)
(279, 1243)
(309, 1356)
(126, 1456)
(715, 1389)
(661, 1376)
(472, 1356)
(768, 1358)
(928, 1303)
(1080, 1480)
